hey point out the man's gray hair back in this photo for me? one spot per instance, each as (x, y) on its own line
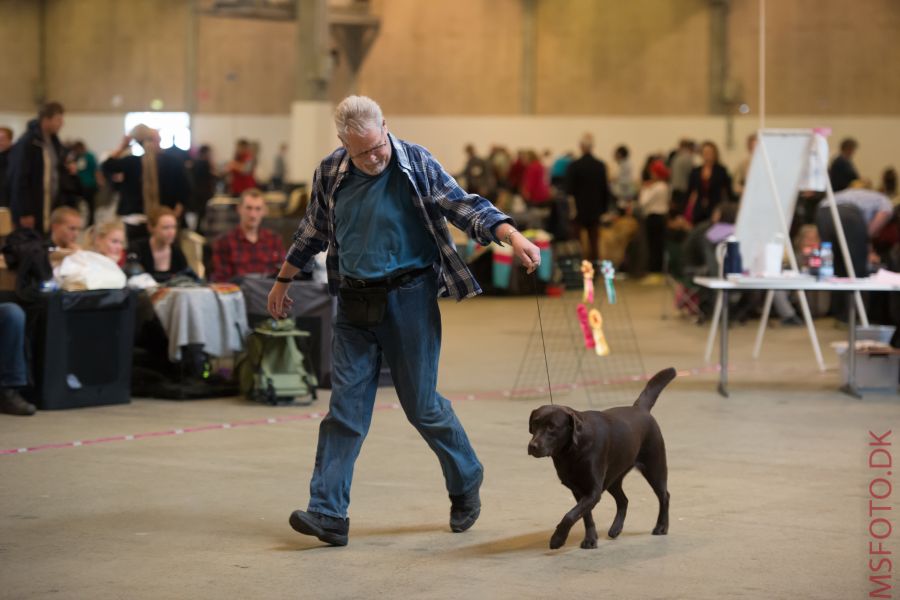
(359, 114)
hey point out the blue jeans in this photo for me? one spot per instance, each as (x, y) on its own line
(409, 338)
(12, 346)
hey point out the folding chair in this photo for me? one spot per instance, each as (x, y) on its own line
(684, 295)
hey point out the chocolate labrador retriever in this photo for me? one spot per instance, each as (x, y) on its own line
(593, 451)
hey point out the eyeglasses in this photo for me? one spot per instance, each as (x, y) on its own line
(373, 149)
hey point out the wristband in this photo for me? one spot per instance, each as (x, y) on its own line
(284, 279)
(508, 236)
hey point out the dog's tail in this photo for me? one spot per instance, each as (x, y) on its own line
(651, 392)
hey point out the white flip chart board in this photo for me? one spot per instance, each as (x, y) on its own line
(772, 186)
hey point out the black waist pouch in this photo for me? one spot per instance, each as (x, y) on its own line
(364, 307)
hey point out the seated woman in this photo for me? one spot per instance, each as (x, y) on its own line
(108, 239)
(158, 254)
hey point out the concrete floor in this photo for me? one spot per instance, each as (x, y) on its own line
(769, 488)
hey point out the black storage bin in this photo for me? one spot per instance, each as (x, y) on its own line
(84, 349)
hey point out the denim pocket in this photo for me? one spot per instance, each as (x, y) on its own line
(413, 283)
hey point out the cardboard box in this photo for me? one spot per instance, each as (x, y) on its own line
(875, 369)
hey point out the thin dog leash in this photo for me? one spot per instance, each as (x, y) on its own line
(537, 300)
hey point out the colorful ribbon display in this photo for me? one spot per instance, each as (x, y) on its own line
(596, 323)
(609, 273)
(587, 272)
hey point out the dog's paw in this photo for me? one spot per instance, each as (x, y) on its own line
(614, 531)
(589, 543)
(661, 529)
(558, 539)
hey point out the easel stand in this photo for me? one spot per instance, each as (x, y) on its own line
(762, 153)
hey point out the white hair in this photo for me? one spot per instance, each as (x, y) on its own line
(359, 114)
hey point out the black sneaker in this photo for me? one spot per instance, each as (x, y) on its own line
(12, 403)
(330, 530)
(465, 508)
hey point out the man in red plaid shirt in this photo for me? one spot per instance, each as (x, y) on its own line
(248, 248)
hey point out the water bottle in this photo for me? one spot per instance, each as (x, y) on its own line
(826, 270)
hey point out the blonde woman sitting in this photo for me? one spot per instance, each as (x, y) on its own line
(108, 239)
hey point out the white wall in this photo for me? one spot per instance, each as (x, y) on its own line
(879, 137)
(313, 136)
(221, 131)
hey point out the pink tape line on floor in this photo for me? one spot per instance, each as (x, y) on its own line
(318, 415)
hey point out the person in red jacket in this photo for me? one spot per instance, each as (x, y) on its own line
(241, 168)
(534, 182)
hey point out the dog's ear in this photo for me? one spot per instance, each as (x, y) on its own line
(577, 426)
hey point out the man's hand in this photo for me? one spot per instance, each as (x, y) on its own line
(279, 303)
(525, 251)
(26, 221)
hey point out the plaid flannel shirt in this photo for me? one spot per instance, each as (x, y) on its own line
(233, 254)
(436, 196)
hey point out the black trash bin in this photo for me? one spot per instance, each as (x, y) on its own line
(83, 349)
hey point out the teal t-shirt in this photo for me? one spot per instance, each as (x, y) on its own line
(377, 227)
(87, 169)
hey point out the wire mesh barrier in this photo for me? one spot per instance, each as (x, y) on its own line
(577, 374)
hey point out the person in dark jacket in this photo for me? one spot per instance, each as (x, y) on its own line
(140, 194)
(203, 174)
(708, 186)
(586, 180)
(842, 171)
(37, 170)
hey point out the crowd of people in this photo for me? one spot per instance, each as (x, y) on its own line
(679, 206)
(38, 172)
(53, 192)
(674, 209)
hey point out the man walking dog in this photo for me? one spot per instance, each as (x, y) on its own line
(380, 207)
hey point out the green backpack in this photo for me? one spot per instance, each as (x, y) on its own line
(273, 370)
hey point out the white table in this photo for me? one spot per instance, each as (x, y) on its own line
(792, 284)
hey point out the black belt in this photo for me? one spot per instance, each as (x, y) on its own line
(387, 282)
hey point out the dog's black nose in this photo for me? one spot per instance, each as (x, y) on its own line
(532, 449)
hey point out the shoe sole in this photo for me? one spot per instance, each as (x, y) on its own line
(467, 524)
(307, 527)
